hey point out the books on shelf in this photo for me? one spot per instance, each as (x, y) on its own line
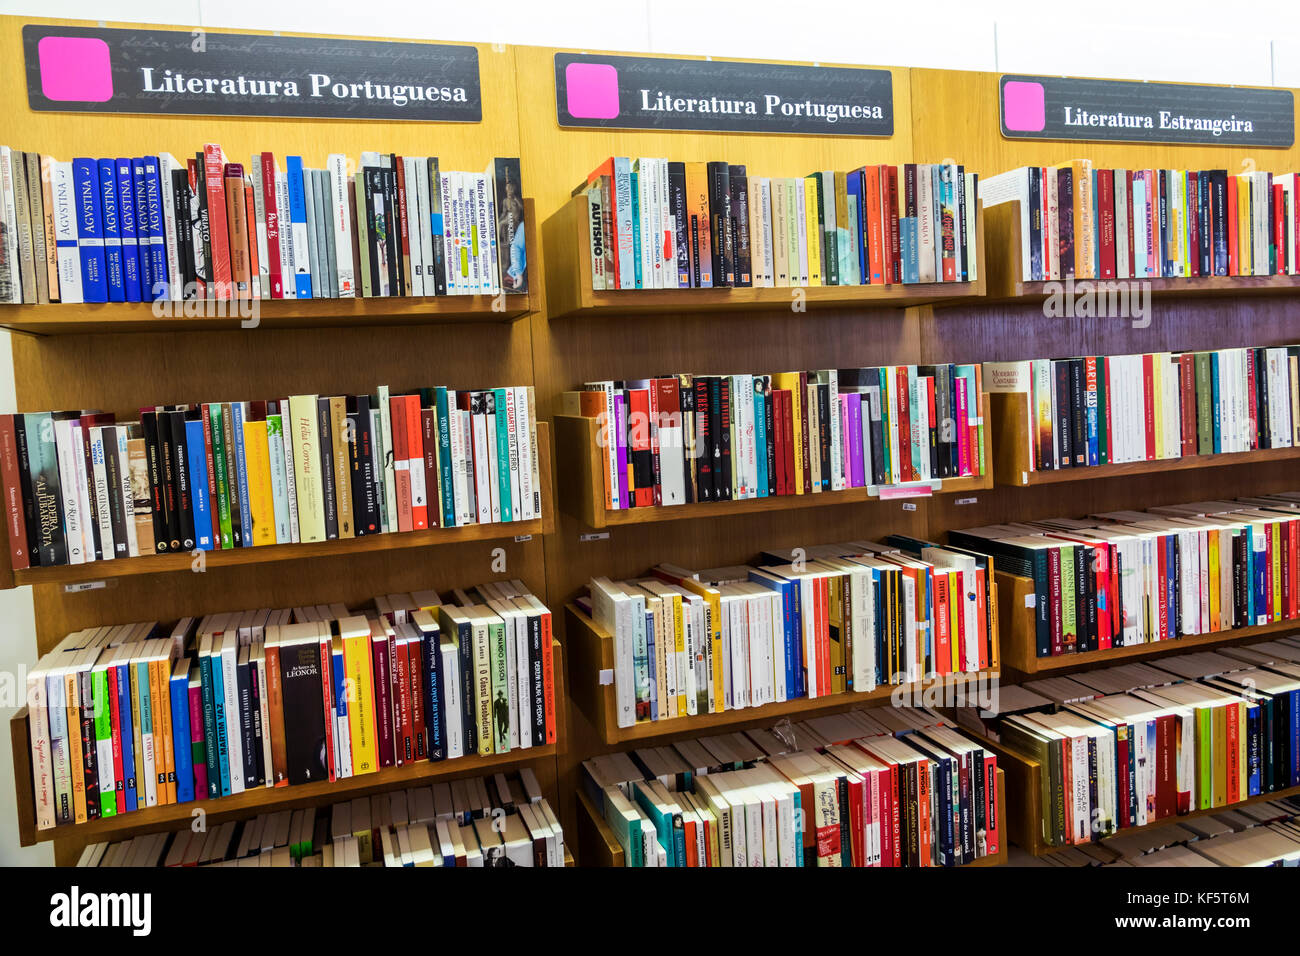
(875, 788)
(82, 487)
(1078, 221)
(1134, 577)
(1107, 409)
(446, 824)
(656, 224)
(140, 715)
(1136, 744)
(690, 438)
(156, 228)
(836, 619)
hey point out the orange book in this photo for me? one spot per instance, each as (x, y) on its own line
(214, 169)
(237, 223)
(254, 262)
(277, 772)
(698, 232)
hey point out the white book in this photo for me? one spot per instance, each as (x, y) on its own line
(264, 707)
(611, 609)
(234, 740)
(101, 493)
(765, 224)
(171, 235)
(384, 448)
(427, 218)
(337, 168)
(925, 214)
(259, 213)
(11, 284)
(290, 474)
(460, 514)
(481, 456)
(1011, 186)
(451, 244)
(451, 668)
(669, 227)
(124, 492)
(489, 282)
(801, 218)
(1123, 256)
(414, 225)
(68, 454)
(1052, 226)
(84, 490)
(524, 438)
(65, 236)
(972, 242)
(279, 483)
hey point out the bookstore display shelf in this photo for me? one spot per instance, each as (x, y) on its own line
(569, 292)
(1012, 453)
(582, 495)
(260, 798)
(598, 846)
(97, 317)
(592, 650)
(1004, 283)
(1024, 782)
(185, 561)
(1018, 649)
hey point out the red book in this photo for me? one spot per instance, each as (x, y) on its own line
(942, 621)
(1149, 405)
(1106, 222)
(402, 721)
(1279, 227)
(1295, 240)
(1162, 575)
(115, 720)
(415, 671)
(1054, 579)
(401, 462)
(214, 167)
(270, 202)
(992, 809)
(192, 168)
(823, 636)
(548, 670)
(404, 227)
(1234, 266)
(874, 237)
(1122, 806)
(1128, 199)
(254, 260)
(327, 697)
(383, 697)
(15, 522)
(857, 813)
(415, 460)
(639, 443)
(905, 472)
(895, 258)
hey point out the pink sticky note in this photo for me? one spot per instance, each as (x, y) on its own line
(1022, 106)
(592, 90)
(75, 68)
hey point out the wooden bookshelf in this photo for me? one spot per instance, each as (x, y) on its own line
(582, 495)
(261, 799)
(1019, 644)
(1013, 454)
(567, 235)
(1024, 782)
(1005, 276)
(599, 846)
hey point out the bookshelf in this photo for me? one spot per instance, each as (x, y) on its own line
(567, 234)
(261, 799)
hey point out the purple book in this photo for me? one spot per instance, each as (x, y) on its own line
(856, 463)
(620, 427)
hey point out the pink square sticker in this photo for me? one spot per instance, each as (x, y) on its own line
(591, 90)
(1023, 109)
(79, 69)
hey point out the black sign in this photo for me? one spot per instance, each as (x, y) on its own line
(632, 92)
(89, 70)
(1052, 107)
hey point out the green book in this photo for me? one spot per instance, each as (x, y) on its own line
(503, 453)
(663, 822)
(104, 741)
(1069, 625)
(219, 470)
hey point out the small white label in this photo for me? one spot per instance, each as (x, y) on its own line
(967, 501)
(1031, 600)
(606, 677)
(594, 536)
(909, 505)
(1024, 477)
(523, 537)
(84, 586)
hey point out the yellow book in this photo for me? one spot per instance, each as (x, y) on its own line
(1243, 780)
(676, 639)
(1220, 752)
(359, 688)
(795, 264)
(1245, 264)
(790, 381)
(1180, 226)
(342, 470)
(303, 434)
(813, 414)
(812, 231)
(955, 606)
(160, 711)
(261, 504)
(1275, 530)
(1085, 247)
(713, 628)
(1212, 557)
(1158, 363)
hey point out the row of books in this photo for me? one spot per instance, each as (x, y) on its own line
(446, 824)
(656, 224)
(1124, 578)
(140, 715)
(148, 228)
(1100, 409)
(882, 788)
(830, 619)
(1082, 222)
(82, 487)
(688, 438)
(1135, 744)
(1255, 834)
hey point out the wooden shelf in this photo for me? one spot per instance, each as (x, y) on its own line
(1019, 645)
(260, 799)
(184, 561)
(112, 317)
(582, 494)
(1012, 453)
(1002, 224)
(569, 293)
(592, 650)
(1024, 780)
(598, 845)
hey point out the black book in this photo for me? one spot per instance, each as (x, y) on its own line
(181, 474)
(184, 246)
(1078, 413)
(1035, 225)
(686, 401)
(396, 270)
(537, 680)
(435, 694)
(117, 516)
(30, 519)
(153, 453)
(1205, 207)
(435, 203)
(1166, 264)
(1065, 207)
(959, 227)
(455, 618)
(739, 221)
(244, 701)
(329, 492)
(170, 478)
(304, 710)
(256, 690)
(375, 224)
(1085, 586)
(205, 224)
(681, 222)
(720, 224)
(824, 432)
(722, 457)
(361, 467)
(704, 437)
(1064, 425)
(1263, 436)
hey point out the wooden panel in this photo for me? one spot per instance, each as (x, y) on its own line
(597, 844)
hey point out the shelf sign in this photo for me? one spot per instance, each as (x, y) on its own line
(92, 70)
(1061, 108)
(721, 96)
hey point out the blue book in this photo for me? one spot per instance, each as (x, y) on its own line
(131, 796)
(789, 640)
(1294, 710)
(503, 454)
(853, 188)
(623, 206)
(679, 839)
(651, 662)
(178, 687)
(198, 468)
(90, 230)
(143, 241)
(1214, 400)
(340, 692)
(112, 231)
(1260, 567)
(129, 227)
(241, 472)
(219, 721)
(798, 826)
(209, 725)
(909, 249)
(298, 217)
(158, 271)
(636, 230)
(1253, 731)
(760, 439)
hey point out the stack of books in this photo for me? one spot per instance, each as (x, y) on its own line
(155, 228)
(1134, 577)
(830, 619)
(495, 821)
(142, 715)
(888, 787)
(81, 487)
(1136, 744)
(657, 224)
(689, 438)
(1081, 222)
(1099, 409)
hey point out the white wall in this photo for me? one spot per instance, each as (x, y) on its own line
(1117, 40)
